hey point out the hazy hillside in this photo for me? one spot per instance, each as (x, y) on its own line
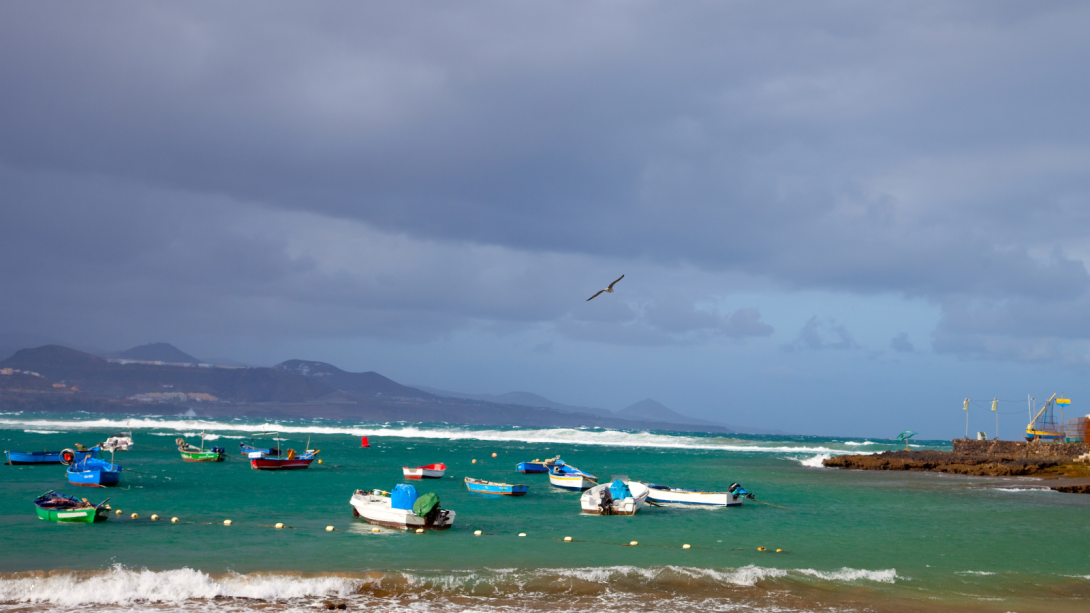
(526, 399)
(355, 383)
(157, 352)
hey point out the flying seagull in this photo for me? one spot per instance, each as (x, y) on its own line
(608, 289)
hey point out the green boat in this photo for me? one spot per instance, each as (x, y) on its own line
(52, 506)
(191, 453)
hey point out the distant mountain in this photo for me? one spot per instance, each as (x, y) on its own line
(651, 409)
(356, 383)
(158, 352)
(525, 399)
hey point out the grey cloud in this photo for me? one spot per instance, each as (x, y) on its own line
(933, 150)
(818, 334)
(901, 344)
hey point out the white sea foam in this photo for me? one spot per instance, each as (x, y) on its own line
(814, 461)
(616, 438)
(853, 443)
(1022, 489)
(983, 573)
(42, 431)
(854, 574)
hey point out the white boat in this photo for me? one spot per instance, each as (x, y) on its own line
(570, 478)
(671, 495)
(375, 506)
(618, 497)
(119, 441)
(431, 471)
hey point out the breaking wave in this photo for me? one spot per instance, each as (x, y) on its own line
(42, 431)
(577, 436)
(613, 587)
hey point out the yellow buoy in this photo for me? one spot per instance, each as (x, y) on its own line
(227, 522)
(633, 543)
(779, 551)
(154, 517)
(567, 539)
(685, 546)
(117, 512)
(319, 460)
(374, 529)
(476, 533)
(278, 525)
(173, 520)
(494, 454)
(474, 460)
(522, 534)
(760, 549)
(134, 516)
(420, 531)
(329, 528)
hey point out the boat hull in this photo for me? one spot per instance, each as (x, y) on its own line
(575, 483)
(94, 478)
(87, 516)
(376, 510)
(277, 464)
(707, 499)
(590, 501)
(531, 467)
(424, 472)
(203, 456)
(22, 458)
(495, 489)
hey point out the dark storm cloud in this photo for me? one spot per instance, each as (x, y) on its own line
(934, 150)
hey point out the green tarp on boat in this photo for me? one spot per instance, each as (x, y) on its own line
(425, 504)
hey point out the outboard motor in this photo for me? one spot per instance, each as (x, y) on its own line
(737, 490)
(605, 504)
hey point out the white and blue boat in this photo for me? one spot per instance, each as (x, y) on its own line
(93, 472)
(665, 494)
(479, 486)
(537, 466)
(570, 478)
(49, 457)
(618, 497)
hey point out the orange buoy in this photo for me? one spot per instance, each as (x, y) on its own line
(363, 442)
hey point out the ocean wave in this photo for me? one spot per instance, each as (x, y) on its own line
(853, 443)
(1022, 489)
(122, 586)
(982, 573)
(813, 461)
(574, 436)
(42, 431)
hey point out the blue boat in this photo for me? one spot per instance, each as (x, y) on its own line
(478, 486)
(93, 472)
(571, 478)
(537, 466)
(49, 457)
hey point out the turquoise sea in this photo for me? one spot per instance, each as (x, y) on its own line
(851, 540)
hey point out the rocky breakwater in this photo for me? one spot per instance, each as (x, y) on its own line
(986, 458)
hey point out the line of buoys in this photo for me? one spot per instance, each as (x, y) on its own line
(522, 534)
(685, 546)
(278, 525)
(173, 520)
(567, 539)
(154, 517)
(779, 551)
(375, 530)
(633, 543)
(760, 549)
(227, 522)
(329, 528)
(476, 533)
(134, 516)
(117, 512)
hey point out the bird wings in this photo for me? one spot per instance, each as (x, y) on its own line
(608, 289)
(596, 295)
(615, 282)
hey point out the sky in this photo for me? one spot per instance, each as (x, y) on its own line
(834, 218)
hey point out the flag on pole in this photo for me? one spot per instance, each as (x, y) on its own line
(995, 404)
(966, 405)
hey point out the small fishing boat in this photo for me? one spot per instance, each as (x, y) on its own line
(118, 441)
(288, 462)
(191, 453)
(479, 486)
(49, 457)
(570, 478)
(537, 466)
(93, 472)
(618, 497)
(401, 509)
(672, 495)
(431, 471)
(52, 506)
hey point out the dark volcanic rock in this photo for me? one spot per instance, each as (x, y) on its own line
(947, 462)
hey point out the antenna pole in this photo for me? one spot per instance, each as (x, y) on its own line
(966, 407)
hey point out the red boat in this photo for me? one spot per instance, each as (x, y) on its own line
(288, 462)
(431, 471)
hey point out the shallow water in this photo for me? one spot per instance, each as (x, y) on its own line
(851, 540)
